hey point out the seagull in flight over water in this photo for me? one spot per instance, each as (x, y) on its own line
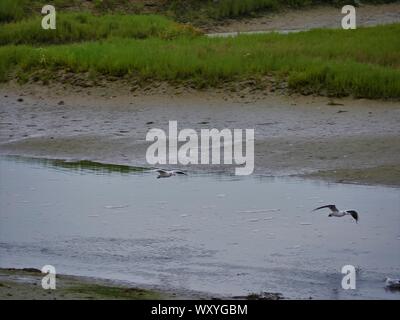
(393, 284)
(336, 213)
(168, 173)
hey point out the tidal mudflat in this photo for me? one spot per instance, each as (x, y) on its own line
(293, 135)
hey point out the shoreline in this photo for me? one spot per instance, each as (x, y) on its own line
(25, 284)
(236, 67)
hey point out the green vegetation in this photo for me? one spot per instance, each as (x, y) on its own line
(363, 62)
(15, 10)
(75, 27)
(11, 10)
(96, 291)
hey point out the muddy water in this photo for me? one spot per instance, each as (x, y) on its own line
(212, 233)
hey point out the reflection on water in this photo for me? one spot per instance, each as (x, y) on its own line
(84, 166)
(218, 234)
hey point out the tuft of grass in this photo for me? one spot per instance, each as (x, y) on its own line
(15, 10)
(363, 62)
(12, 10)
(76, 27)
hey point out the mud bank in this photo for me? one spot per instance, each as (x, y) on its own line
(25, 284)
(311, 18)
(294, 134)
(385, 175)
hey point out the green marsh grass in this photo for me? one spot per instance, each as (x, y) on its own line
(363, 62)
(11, 10)
(76, 27)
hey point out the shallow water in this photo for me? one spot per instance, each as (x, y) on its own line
(237, 33)
(217, 234)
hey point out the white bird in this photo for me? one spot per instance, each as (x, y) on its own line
(336, 213)
(393, 284)
(168, 173)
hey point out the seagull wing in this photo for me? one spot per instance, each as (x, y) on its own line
(354, 214)
(161, 171)
(180, 172)
(332, 207)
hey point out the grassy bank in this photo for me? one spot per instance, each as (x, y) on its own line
(12, 10)
(75, 27)
(363, 62)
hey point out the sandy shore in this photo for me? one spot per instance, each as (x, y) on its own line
(295, 135)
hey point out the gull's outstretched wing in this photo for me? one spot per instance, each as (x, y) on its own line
(332, 207)
(354, 214)
(180, 172)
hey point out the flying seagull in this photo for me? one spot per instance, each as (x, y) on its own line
(168, 173)
(393, 284)
(336, 213)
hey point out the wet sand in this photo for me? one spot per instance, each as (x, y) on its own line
(295, 135)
